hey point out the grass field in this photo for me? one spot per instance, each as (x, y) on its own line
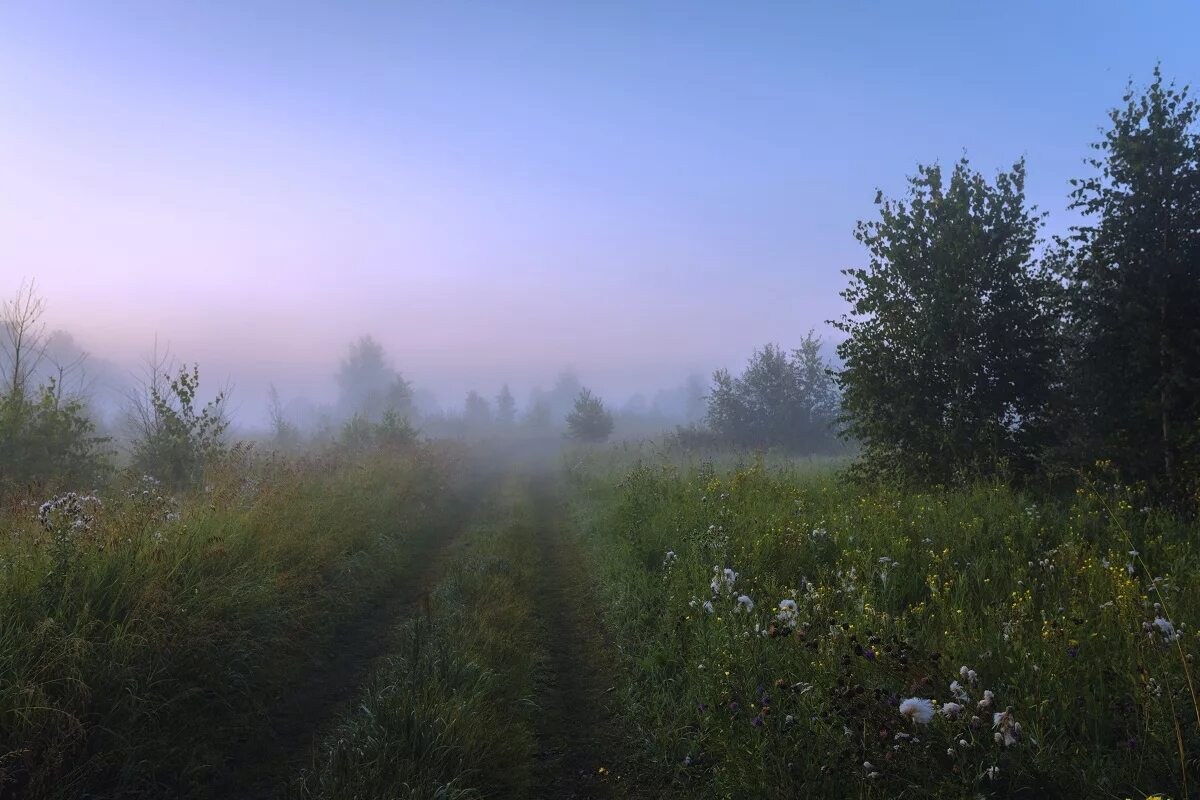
(152, 645)
(785, 634)
(432, 622)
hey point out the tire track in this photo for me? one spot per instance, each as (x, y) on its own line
(578, 744)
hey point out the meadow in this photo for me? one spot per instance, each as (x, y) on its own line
(466, 621)
(784, 632)
(167, 644)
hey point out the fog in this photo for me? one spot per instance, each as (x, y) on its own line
(633, 197)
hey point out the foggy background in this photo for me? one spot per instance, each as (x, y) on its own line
(498, 194)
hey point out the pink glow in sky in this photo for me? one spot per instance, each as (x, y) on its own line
(496, 191)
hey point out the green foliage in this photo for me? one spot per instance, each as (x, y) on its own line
(781, 400)
(447, 715)
(147, 640)
(840, 601)
(175, 440)
(951, 347)
(589, 420)
(1133, 293)
(359, 435)
(49, 442)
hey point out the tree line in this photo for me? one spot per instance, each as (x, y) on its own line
(973, 348)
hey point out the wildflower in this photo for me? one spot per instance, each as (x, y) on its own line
(960, 694)
(687, 761)
(992, 773)
(917, 709)
(987, 701)
(723, 580)
(744, 603)
(868, 766)
(787, 611)
(968, 675)
(950, 752)
(708, 606)
(1164, 627)
(789, 719)
(669, 559)
(757, 721)
(1008, 729)
(963, 743)
(952, 710)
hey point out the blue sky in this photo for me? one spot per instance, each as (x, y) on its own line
(496, 190)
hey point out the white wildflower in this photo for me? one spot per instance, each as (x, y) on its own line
(918, 709)
(1008, 730)
(952, 710)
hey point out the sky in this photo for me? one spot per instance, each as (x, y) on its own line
(496, 191)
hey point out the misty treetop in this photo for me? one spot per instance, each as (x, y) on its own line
(369, 385)
(782, 399)
(589, 420)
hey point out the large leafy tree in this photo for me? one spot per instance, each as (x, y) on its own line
(1133, 292)
(950, 346)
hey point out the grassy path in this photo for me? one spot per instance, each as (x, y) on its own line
(334, 677)
(578, 744)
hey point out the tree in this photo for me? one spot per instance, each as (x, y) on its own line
(785, 400)
(46, 435)
(477, 413)
(175, 440)
(368, 385)
(589, 420)
(506, 407)
(1133, 291)
(284, 434)
(950, 347)
(22, 339)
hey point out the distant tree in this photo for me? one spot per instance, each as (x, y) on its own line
(22, 339)
(506, 407)
(950, 347)
(560, 398)
(477, 413)
(589, 420)
(538, 417)
(176, 438)
(1133, 292)
(46, 436)
(284, 434)
(368, 385)
(784, 400)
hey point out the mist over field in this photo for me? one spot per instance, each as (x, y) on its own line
(599, 401)
(497, 196)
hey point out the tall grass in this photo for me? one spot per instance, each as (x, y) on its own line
(143, 637)
(447, 715)
(1069, 627)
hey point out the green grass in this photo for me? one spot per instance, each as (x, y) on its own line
(140, 654)
(895, 592)
(448, 715)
